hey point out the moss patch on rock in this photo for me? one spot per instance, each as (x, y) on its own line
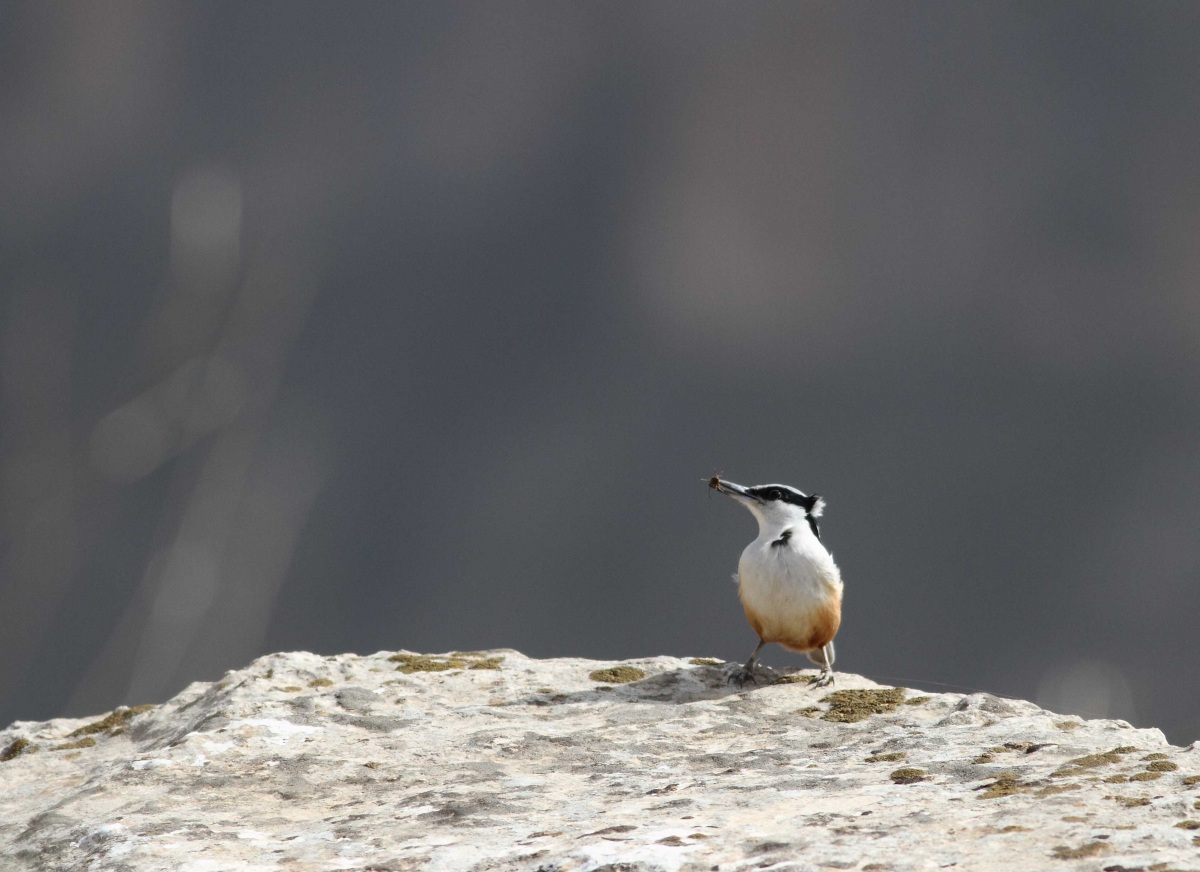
(851, 706)
(908, 775)
(1145, 776)
(1006, 784)
(1091, 761)
(410, 663)
(113, 724)
(617, 674)
(1089, 849)
(85, 742)
(16, 748)
(794, 678)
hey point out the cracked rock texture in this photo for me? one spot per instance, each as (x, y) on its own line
(491, 760)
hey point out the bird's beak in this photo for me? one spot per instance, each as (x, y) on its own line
(737, 491)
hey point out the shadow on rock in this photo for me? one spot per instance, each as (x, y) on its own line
(706, 680)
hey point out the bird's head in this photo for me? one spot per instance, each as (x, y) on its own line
(774, 505)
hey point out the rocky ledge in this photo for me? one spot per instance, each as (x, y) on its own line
(493, 761)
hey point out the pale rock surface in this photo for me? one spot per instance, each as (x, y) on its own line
(302, 762)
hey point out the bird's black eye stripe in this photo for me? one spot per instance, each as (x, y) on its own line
(783, 495)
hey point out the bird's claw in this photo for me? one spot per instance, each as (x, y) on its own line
(823, 679)
(741, 676)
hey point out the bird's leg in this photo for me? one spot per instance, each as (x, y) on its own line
(746, 673)
(826, 677)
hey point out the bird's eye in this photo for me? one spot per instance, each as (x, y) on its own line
(774, 495)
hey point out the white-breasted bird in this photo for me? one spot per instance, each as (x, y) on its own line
(789, 586)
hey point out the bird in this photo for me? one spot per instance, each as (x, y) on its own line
(790, 588)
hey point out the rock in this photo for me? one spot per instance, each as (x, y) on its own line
(494, 761)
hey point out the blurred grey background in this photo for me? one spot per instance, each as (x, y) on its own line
(360, 326)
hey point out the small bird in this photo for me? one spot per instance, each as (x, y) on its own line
(789, 586)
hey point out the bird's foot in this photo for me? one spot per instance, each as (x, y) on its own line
(743, 675)
(823, 679)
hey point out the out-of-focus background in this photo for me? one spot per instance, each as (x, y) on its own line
(360, 326)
